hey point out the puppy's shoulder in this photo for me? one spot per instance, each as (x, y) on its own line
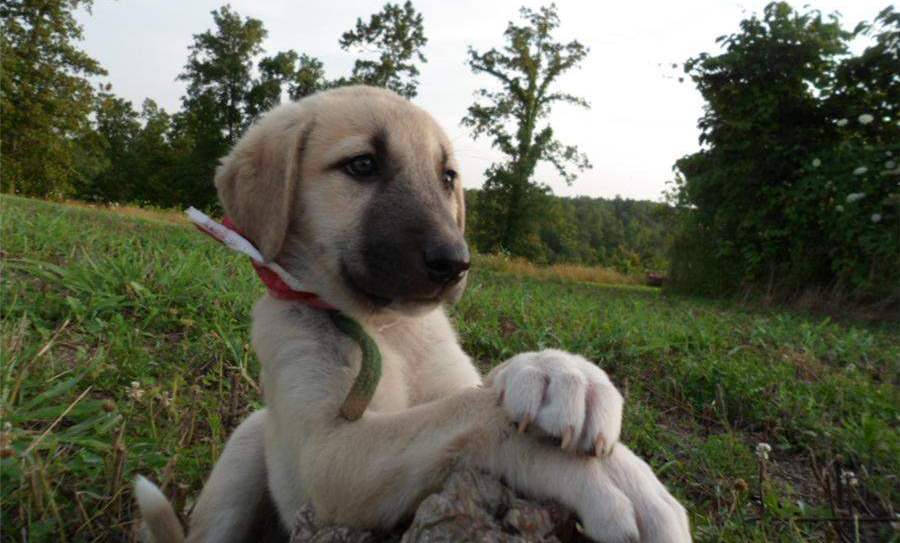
(279, 324)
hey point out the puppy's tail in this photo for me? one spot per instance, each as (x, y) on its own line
(160, 523)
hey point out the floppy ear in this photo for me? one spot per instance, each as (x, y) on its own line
(257, 180)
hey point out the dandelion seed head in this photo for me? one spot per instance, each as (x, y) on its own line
(816, 163)
(855, 197)
(890, 165)
(876, 217)
(763, 450)
(860, 171)
(865, 118)
(842, 122)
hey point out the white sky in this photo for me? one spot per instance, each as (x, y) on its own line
(641, 118)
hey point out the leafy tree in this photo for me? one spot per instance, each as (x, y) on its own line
(265, 92)
(397, 36)
(526, 68)
(197, 134)
(219, 69)
(308, 77)
(154, 158)
(223, 96)
(116, 127)
(44, 96)
(792, 128)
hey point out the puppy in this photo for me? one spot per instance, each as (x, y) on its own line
(354, 192)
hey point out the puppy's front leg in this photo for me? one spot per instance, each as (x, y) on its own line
(375, 471)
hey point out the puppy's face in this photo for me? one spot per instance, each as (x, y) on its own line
(355, 192)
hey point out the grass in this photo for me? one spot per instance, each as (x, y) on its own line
(125, 350)
(523, 269)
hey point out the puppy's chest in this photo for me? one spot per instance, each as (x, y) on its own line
(393, 392)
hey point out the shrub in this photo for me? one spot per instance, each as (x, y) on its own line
(796, 186)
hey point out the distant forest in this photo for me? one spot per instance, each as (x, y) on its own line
(631, 236)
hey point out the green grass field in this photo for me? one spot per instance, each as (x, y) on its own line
(125, 350)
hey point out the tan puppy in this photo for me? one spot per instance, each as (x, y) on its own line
(354, 191)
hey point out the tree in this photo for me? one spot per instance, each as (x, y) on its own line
(116, 127)
(791, 189)
(219, 69)
(396, 34)
(44, 96)
(154, 158)
(526, 68)
(265, 92)
(308, 77)
(223, 97)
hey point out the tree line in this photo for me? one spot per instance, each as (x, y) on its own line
(63, 138)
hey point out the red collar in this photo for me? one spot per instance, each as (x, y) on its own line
(280, 290)
(277, 287)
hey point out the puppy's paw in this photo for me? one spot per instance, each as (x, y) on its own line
(563, 395)
(661, 517)
(606, 513)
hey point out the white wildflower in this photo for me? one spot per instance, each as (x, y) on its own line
(890, 165)
(763, 450)
(866, 118)
(816, 163)
(849, 478)
(135, 392)
(855, 197)
(842, 122)
(861, 170)
(876, 217)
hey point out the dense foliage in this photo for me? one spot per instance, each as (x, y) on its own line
(45, 98)
(526, 69)
(796, 186)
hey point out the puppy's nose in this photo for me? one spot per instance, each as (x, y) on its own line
(446, 262)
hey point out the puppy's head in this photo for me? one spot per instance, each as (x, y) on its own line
(355, 192)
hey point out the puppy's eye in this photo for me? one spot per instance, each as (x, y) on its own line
(361, 166)
(449, 179)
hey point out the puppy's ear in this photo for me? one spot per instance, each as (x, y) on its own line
(257, 181)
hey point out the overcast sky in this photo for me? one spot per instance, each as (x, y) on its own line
(640, 122)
